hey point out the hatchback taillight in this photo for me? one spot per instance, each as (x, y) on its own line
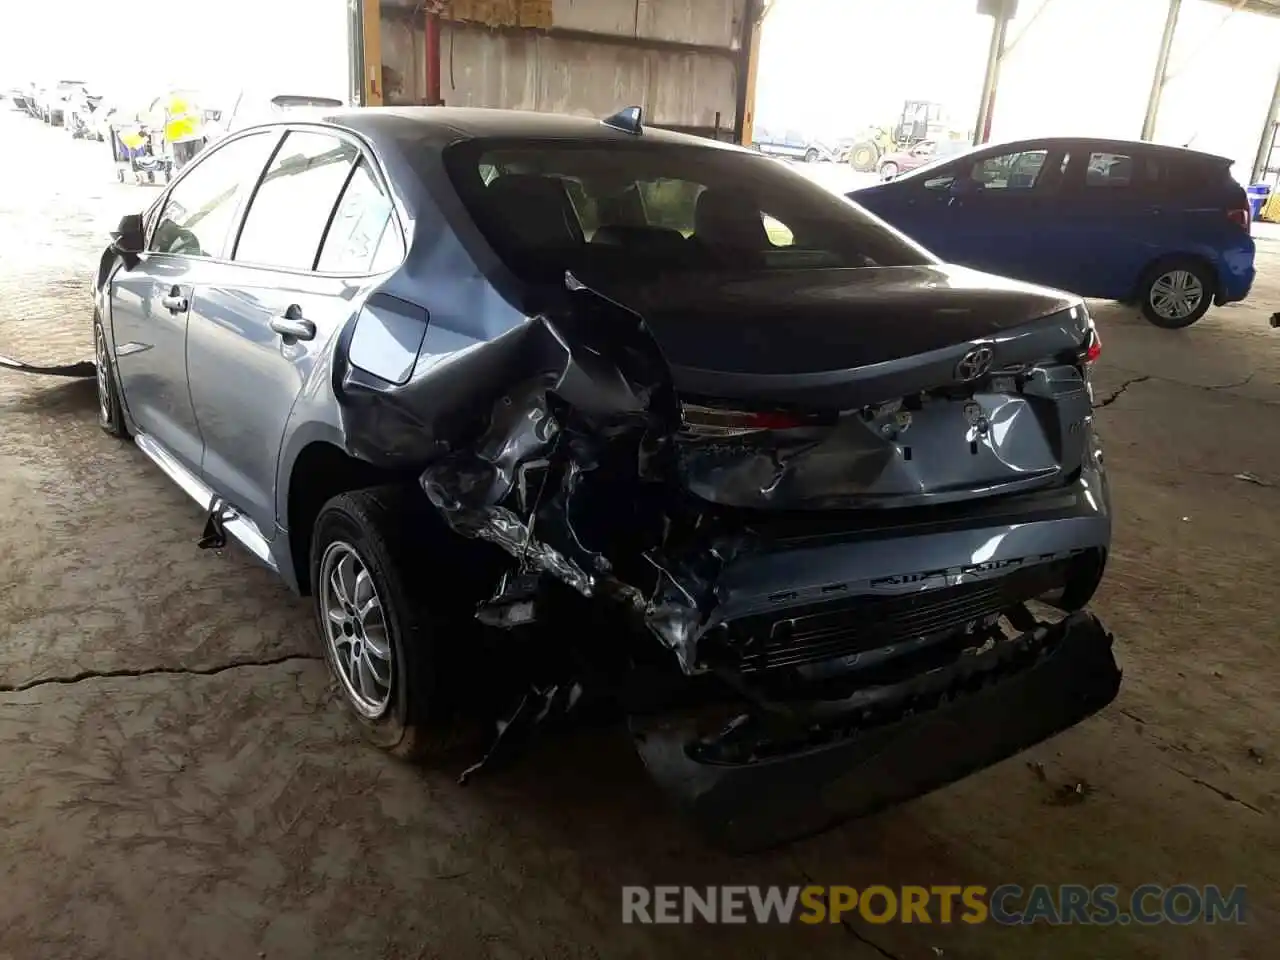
(1091, 349)
(1241, 216)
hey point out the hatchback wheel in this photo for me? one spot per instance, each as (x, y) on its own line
(1177, 293)
(379, 638)
(110, 413)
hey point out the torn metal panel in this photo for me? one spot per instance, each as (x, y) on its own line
(82, 370)
(569, 474)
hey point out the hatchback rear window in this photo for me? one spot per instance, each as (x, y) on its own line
(1173, 173)
(550, 206)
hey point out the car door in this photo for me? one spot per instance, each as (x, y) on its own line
(998, 213)
(150, 301)
(1110, 222)
(318, 228)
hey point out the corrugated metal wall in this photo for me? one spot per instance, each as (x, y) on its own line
(677, 58)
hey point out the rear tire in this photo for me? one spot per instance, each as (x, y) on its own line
(888, 170)
(811, 155)
(363, 554)
(1177, 292)
(110, 411)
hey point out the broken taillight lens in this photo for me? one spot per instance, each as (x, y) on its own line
(707, 421)
(1093, 348)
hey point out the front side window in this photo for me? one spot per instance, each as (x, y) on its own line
(201, 208)
(363, 237)
(548, 206)
(1011, 171)
(289, 211)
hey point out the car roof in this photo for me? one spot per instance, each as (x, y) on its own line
(1107, 143)
(445, 125)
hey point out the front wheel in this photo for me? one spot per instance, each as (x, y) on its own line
(110, 412)
(380, 640)
(1176, 293)
(888, 171)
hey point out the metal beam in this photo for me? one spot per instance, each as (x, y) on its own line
(1267, 140)
(1017, 37)
(991, 82)
(1162, 70)
(370, 12)
(748, 63)
(431, 49)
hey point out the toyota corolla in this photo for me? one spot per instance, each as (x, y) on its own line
(542, 410)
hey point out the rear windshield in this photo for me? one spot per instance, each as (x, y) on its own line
(634, 209)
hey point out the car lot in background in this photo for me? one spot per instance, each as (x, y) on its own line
(929, 151)
(1162, 227)
(791, 144)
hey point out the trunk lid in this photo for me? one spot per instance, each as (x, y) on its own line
(877, 387)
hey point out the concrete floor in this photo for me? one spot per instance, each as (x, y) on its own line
(175, 779)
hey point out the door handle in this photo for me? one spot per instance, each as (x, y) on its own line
(292, 325)
(174, 301)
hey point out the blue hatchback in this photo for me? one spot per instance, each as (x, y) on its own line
(1162, 227)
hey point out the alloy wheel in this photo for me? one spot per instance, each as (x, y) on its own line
(356, 630)
(1176, 294)
(102, 363)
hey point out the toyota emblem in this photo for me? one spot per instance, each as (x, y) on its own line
(974, 364)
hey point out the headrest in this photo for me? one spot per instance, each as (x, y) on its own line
(535, 210)
(725, 217)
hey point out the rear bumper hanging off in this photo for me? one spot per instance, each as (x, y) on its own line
(84, 369)
(813, 768)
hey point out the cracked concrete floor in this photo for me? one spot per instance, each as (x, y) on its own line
(176, 781)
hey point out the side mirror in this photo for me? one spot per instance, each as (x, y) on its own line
(128, 238)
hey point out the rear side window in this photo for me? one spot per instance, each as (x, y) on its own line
(202, 206)
(1173, 174)
(363, 237)
(1109, 170)
(291, 208)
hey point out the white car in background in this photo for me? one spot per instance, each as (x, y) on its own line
(252, 107)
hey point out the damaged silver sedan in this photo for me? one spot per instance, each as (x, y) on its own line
(546, 412)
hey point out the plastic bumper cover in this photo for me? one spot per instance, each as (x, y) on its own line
(935, 729)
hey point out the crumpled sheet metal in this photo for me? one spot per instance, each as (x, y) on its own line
(501, 527)
(583, 427)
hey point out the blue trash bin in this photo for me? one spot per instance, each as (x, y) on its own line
(1258, 194)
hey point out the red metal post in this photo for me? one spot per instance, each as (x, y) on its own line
(431, 44)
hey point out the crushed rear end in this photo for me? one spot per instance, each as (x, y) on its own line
(837, 585)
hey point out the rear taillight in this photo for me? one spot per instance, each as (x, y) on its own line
(1241, 216)
(1091, 349)
(704, 421)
